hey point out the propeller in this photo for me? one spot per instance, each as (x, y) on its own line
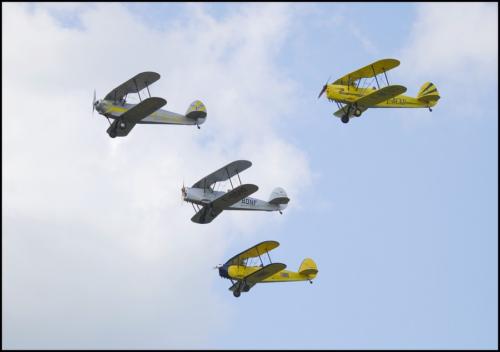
(217, 266)
(324, 88)
(93, 104)
(183, 191)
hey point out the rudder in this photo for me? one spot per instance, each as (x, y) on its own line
(196, 110)
(428, 94)
(308, 267)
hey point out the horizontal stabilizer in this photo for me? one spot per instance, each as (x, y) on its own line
(196, 110)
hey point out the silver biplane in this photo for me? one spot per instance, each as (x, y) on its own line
(209, 203)
(126, 116)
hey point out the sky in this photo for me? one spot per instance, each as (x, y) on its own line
(398, 208)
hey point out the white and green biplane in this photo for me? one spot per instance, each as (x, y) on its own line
(114, 106)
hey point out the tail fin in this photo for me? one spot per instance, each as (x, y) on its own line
(308, 267)
(196, 110)
(279, 197)
(428, 94)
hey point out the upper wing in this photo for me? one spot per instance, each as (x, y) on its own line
(253, 252)
(369, 71)
(223, 173)
(374, 98)
(213, 209)
(133, 85)
(136, 114)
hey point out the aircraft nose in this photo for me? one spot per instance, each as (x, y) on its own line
(223, 272)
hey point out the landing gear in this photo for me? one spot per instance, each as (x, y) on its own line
(112, 134)
(357, 112)
(236, 293)
(198, 126)
(345, 119)
(310, 281)
(122, 125)
(280, 212)
(430, 109)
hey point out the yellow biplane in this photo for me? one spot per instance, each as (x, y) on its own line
(354, 94)
(244, 275)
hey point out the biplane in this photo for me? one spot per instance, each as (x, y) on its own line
(114, 106)
(208, 203)
(354, 93)
(244, 275)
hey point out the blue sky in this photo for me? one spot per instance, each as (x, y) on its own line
(398, 207)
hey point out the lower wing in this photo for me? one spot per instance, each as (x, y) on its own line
(213, 209)
(258, 276)
(370, 100)
(126, 121)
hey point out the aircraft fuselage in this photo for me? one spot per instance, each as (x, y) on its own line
(349, 94)
(114, 110)
(202, 197)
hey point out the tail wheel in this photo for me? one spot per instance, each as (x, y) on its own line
(345, 119)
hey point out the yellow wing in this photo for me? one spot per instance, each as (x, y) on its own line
(258, 276)
(372, 99)
(368, 71)
(253, 252)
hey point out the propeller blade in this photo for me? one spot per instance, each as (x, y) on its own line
(324, 87)
(93, 103)
(322, 91)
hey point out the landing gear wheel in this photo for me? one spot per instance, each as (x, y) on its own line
(357, 112)
(112, 134)
(122, 125)
(236, 293)
(345, 119)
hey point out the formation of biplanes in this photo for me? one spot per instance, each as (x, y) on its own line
(353, 94)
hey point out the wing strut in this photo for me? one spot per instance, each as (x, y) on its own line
(261, 262)
(148, 88)
(238, 176)
(229, 178)
(386, 78)
(270, 261)
(137, 90)
(375, 75)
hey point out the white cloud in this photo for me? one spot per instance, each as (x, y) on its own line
(449, 38)
(455, 46)
(99, 250)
